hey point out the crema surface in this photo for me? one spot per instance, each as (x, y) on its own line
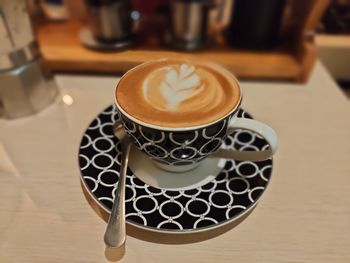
(181, 93)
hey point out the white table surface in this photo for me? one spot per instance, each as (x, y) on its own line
(304, 216)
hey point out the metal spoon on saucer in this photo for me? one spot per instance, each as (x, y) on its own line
(115, 234)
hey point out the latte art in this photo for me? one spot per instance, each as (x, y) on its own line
(175, 93)
(177, 85)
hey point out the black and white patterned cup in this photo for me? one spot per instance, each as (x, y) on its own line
(182, 149)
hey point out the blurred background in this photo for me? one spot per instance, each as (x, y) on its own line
(255, 39)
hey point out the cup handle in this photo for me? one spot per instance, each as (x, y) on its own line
(255, 126)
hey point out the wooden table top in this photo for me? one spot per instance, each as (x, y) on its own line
(304, 216)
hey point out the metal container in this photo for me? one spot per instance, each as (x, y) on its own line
(24, 87)
(25, 90)
(255, 24)
(110, 20)
(189, 23)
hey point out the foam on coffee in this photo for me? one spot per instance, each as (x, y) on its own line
(177, 93)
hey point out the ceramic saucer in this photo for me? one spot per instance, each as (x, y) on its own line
(172, 43)
(216, 193)
(90, 42)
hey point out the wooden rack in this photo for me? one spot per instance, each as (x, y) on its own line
(62, 49)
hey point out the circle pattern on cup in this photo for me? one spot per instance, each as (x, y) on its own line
(233, 192)
(177, 148)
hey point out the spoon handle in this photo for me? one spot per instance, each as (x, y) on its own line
(115, 234)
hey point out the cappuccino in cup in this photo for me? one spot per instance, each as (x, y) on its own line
(172, 93)
(179, 111)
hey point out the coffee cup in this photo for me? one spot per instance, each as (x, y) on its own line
(178, 112)
(111, 21)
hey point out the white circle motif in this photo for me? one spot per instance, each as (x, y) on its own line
(187, 142)
(118, 158)
(152, 193)
(252, 137)
(103, 133)
(111, 144)
(170, 222)
(88, 143)
(96, 125)
(99, 177)
(219, 140)
(135, 140)
(265, 147)
(129, 129)
(197, 200)
(211, 188)
(142, 211)
(115, 117)
(202, 219)
(92, 180)
(233, 165)
(249, 147)
(150, 139)
(133, 193)
(87, 161)
(191, 195)
(181, 148)
(227, 214)
(252, 191)
(164, 152)
(247, 163)
(223, 192)
(238, 179)
(170, 196)
(216, 134)
(140, 216)
(109, 111)
(144, 186)
(171, 202)
(262, 172)
(105, 198)
(104, 155)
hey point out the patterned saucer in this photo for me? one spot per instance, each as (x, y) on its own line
(232, 192)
